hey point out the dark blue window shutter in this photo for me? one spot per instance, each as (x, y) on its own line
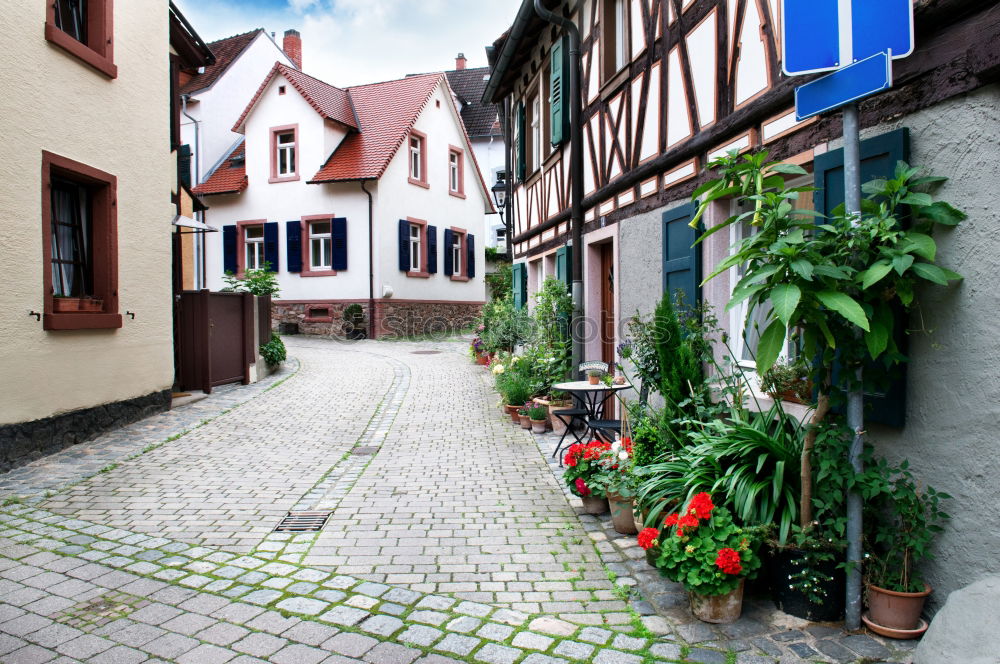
(519, 279)
(681, 257)
(229, 249)
(338, 242)
(885, 388)
(470, 262)
(449, 240)
(432, 249)
(404, 245)
(293, 245)
(271, 245)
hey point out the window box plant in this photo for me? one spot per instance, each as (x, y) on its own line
(77, 305)
(710, 555)
(536, 414)
(585, 475)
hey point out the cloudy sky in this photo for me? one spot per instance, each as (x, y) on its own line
(347, 42)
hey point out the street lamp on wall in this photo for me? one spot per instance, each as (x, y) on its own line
(500, 193)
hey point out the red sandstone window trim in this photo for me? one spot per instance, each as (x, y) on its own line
(463, 274)
(310, 318)
(103, 190)
(422, 273)
(460, 154)
(98, 52)
(307, 270)
(241, 249)
(422, 180)
(273, 141)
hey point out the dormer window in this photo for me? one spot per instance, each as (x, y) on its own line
(284, 154)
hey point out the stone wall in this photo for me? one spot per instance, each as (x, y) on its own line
(309, 319)
(26, 441)
(392, 317)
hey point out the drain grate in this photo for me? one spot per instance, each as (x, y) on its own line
(302, 522)
(364, 451)
(425, 352)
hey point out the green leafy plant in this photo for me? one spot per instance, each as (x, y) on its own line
(501, 282)
(619, 461)
(513, 387)
(787, 379)
(537, 411)
(274, 352)
(256, 282)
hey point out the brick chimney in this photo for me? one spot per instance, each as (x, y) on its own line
(460, 61)
(292, 46)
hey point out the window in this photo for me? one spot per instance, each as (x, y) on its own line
(417, 158)
(284, 154)
(456, 172)
(320, 245)
(535, 141)
(457, 246)
(253, 243)
(416, 255)
(502, 239)
(80, 245)
(614, 36)
(83, 28)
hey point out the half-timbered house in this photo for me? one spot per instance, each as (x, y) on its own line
(666, 86)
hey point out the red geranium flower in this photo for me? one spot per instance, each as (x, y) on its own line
(728, 561)
(648, 537)
(701, 506)
(689, 521)
(671, 520)
(582, 487)
(573, 454)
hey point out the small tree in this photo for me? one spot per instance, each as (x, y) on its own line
(256, 282)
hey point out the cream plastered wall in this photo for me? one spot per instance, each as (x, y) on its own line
(54, 102)
(399, 199)
(286, 201)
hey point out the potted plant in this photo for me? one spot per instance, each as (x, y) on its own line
(710, 555)
(537, 413)
(585, 475)
(594, 376)
(558, 401)
(621, 486)
(522, 415)
(787, 381)
(354, 322)
(903, 520)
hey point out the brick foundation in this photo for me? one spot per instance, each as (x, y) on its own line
(392, 317)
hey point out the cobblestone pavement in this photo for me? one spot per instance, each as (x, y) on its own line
(449, 538)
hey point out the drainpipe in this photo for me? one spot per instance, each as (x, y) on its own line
(371, 262)
(576, 174)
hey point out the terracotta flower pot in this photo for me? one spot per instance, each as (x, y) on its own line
(621, 514)
(594, 380)
(718, 609)
(512, 411)
(538, 426)
(558, 426)
(896, 610)
(637, 521)
(593, 505)
(482, 359)
(84, 305)
(525, 421)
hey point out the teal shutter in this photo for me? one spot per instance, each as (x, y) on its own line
(885, 388)
(520, 285)
(564, 266)
(522, 158)
(558, 108)
(681, 257)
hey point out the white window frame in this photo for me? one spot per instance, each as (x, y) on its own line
(621, 35)
(454, 172)
(254, 248)
(287, 150)
(416, 255)
(325, 243)
(536, 132)
(457, 243)
(416, 157)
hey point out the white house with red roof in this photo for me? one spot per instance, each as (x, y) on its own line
(368, 195)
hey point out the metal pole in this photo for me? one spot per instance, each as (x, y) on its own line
(576, 175)
(855, 396)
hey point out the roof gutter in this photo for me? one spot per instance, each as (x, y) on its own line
(521, 21)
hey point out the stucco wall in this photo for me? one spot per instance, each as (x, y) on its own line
(54, 102)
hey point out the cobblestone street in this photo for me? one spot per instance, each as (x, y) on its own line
(450, 537)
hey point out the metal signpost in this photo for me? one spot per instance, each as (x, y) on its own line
(857, 40)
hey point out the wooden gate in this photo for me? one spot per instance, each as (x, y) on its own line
(215, 339)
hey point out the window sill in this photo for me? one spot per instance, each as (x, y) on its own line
(610, 87)
(419, 183)
(81, 51)
(321, 319)
(418, 275)
(289, 178)
(459, 278)
(318, 273)
(81, 321)
(457, 194)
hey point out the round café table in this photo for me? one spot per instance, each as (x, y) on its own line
(590, 397)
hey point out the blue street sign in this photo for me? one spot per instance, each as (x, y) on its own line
(843, 86)
(822, 35)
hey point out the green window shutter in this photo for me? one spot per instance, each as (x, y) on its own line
(558, 108)
(885, 388)
(520, 285)
(681, 256)
(522, 158)
(564, 266)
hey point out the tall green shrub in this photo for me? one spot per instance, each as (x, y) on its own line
(681, 375)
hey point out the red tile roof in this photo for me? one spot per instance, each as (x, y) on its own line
(227, 179)
(329, 101)
(386, 112)
(226, 51)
